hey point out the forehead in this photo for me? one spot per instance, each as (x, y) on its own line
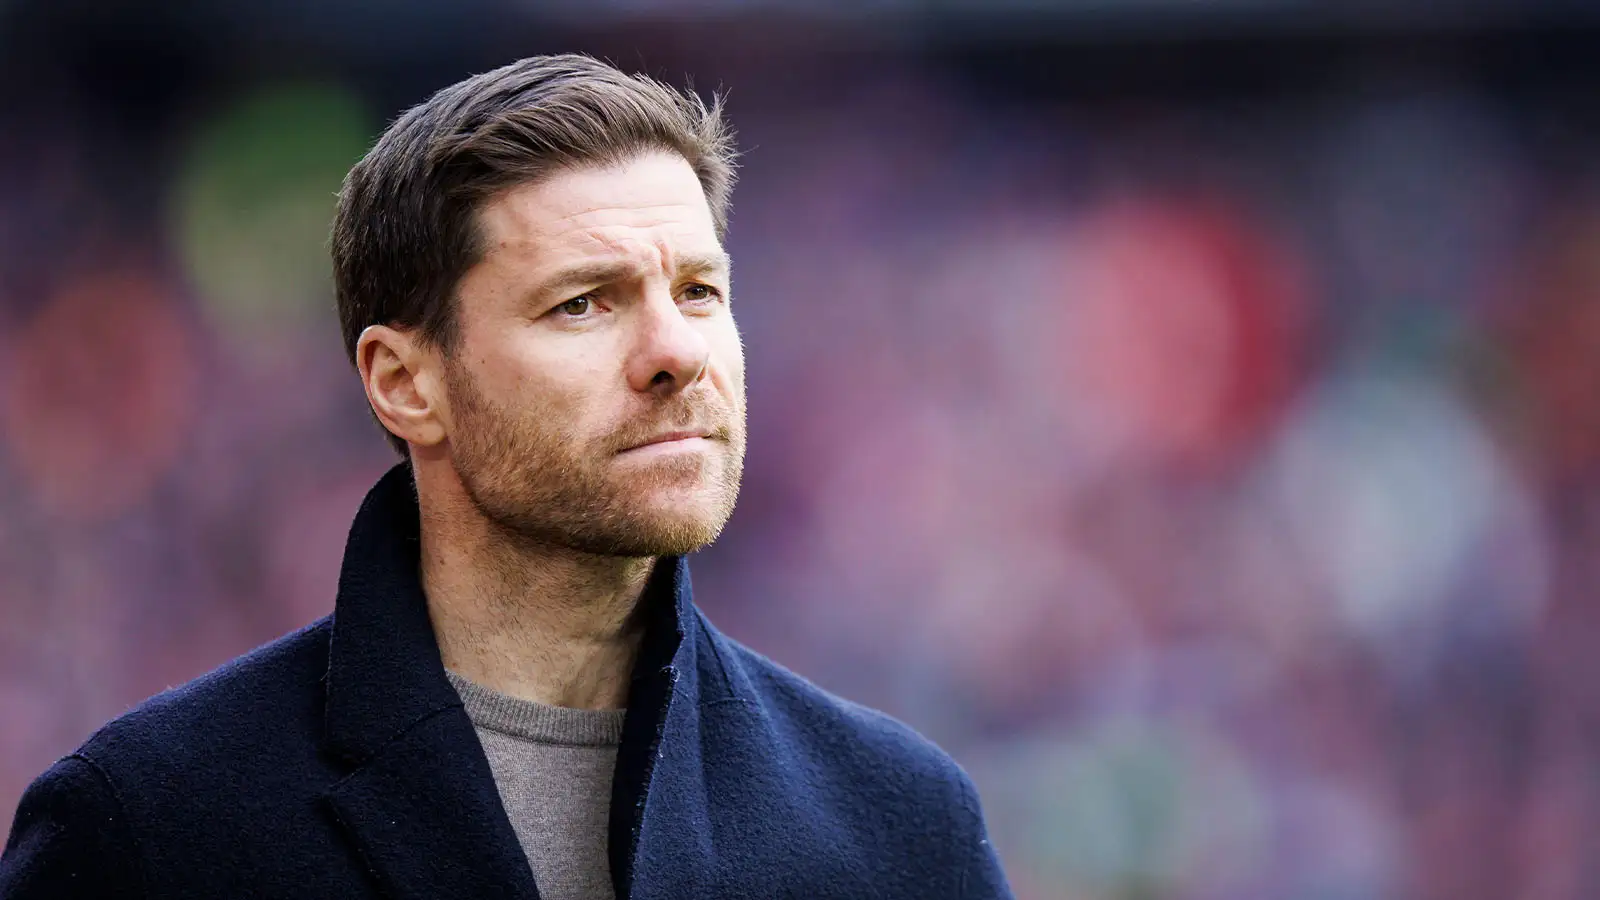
(650, 206)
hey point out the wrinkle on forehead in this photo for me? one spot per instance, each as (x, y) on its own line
(646, 215)
(511, 221)
(675, 211)
(643, 251)
(639, 252)
(653, 189)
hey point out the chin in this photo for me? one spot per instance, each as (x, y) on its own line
(674, 536)
(681, 529)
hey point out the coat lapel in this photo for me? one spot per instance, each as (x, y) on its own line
(426, 818)
(419, 803)
(664, 685)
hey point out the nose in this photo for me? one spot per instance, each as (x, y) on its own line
(670, 353)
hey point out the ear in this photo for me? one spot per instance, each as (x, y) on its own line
(402, 381)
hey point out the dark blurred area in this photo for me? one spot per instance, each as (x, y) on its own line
(1186, 413)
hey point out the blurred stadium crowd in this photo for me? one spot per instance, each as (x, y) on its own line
(1213, 471)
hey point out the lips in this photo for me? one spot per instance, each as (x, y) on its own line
(668, 438)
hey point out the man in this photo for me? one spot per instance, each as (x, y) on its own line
(515, 695)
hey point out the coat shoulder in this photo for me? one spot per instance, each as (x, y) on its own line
(893, 810)
(250, 707)
(859, 737)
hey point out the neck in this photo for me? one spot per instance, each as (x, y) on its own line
(542, 623)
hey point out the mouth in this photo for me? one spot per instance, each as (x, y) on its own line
(672, 440)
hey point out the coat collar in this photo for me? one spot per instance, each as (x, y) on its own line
(420, 800)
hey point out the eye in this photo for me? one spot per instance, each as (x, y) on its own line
(700, 293)
(577, 306)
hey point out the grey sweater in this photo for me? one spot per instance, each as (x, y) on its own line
(553, 768)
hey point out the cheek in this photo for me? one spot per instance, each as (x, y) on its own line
(582, 395)
(570, 404)
(546, 385)
(728, 353)
(499, 358)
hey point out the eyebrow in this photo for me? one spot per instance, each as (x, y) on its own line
(583, 275)
(717, 263)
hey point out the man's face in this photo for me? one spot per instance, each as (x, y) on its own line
(596, 391)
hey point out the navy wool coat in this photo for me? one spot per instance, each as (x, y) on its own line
(338, 762)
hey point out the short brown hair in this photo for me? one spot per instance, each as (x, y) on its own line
(406, 227)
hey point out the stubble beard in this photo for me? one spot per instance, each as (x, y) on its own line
(543, 486)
